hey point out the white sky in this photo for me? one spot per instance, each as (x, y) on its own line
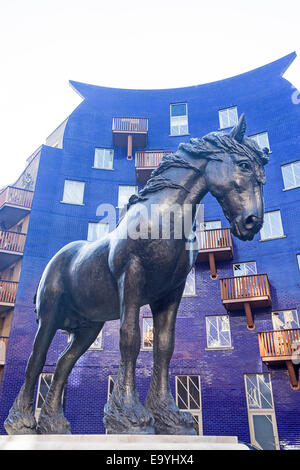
(126, 44)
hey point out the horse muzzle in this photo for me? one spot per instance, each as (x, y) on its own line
(246, 227)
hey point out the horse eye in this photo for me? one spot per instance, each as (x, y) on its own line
(244, 166)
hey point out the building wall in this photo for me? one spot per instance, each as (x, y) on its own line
(265, 98)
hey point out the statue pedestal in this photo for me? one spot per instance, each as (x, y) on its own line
(115, 442)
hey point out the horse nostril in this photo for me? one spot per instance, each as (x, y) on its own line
(250, 221)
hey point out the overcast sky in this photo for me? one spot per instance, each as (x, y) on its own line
(126, 44)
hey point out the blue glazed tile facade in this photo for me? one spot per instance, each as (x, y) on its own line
(266, 99)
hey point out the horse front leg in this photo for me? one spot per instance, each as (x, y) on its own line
(124, 413)
(168, 418)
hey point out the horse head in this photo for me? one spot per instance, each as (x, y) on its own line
(235, 176)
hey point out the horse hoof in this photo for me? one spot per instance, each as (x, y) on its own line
(18, 423)
(56, 424)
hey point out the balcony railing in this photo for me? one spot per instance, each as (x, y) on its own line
(131, 125)
(281, 345)
(215, 244)
(3, 347)
(12, 241)
(8, 291)
(244, 292)
(16, 197)
(146, 162)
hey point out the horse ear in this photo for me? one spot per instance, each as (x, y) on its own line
(238, 132)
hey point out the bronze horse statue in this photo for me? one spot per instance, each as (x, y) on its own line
(88, 283)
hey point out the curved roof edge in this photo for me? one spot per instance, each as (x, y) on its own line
(277, 67)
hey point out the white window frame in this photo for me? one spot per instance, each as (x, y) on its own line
(216, 224)
(195, 412)
(257, 136)
(192, 273)
(146, 331)
(134, 191)
(245, 264)
(66, 198)
(97, 345)
(38, 410)
(227, 122)
(106, 153)
(175, 119)
(105, 232)
(292, 165)
(111, 379)
(298, 259)
(218, 317)
(286, 312)
(272, 235)
(261, 411)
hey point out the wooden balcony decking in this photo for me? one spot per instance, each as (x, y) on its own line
(3, 347)
(214, 245)
(8, 292)
(281, 346)
(146, 162)
(15, 204)
(246, 292)
(11, 247)
(130, 132)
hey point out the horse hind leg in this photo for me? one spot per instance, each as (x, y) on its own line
(51, 419)
(21, 418)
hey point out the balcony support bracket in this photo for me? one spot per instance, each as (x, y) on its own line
(292, 375)
(249, 316)
(212, 266)
(129, 147)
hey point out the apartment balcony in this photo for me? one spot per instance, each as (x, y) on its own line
(214, 245)
(130, 133)
(3, 347)
(15, 204)
(8, 292)
(11, 247)
(146, 162)
(246, 292)
(281, 346)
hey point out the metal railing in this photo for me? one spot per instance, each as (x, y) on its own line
(214, 239)
(3, 348)
(130, 124)
(16, 196)
(244, 287)
(279, 343)
(8, 291)
(12, 241)
(149, 159)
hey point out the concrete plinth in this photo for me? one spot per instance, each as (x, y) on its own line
(119, 442)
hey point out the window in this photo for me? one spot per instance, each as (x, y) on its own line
(285, 320)
(124, 194)
(298, 259)
(45, 380)
(228, 117)
(261, 413)
(73, 192)
(212, 224)
(291, 175)
(218, 332)
(272, 227)
(104, 159)
(147, 333)
(97, 230)
(188, 397)
(111, 383)
(244, 269)
(261, 139)
(97, 344)
(178, 119)
(190, 288)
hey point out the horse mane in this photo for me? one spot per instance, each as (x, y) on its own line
(208, 147)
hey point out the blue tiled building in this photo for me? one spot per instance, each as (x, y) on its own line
(237, 373)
